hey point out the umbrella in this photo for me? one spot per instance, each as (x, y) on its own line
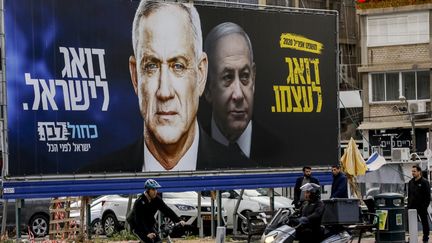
(353, 165)
(352, 161)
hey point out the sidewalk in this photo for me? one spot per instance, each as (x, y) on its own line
(255, 239)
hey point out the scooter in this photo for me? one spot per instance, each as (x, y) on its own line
(282, 228)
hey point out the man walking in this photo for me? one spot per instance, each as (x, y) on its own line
(307, 177)
(419, 198)
(339, 187)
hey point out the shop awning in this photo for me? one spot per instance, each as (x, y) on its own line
(393, 124)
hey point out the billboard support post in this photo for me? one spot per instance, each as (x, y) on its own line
(18, 205)
(212, 216)
(86, 200)
(200, 222)
(271, 192)
(237, 216)
(219, 207)
(3, 227)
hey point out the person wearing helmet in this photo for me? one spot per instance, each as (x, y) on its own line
(311, 214)
(142, 219)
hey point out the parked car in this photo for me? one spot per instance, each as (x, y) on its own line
(184, 204)
(34, 216)
(252, 201)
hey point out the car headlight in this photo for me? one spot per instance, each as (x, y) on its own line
(183, 207)
(271, 238)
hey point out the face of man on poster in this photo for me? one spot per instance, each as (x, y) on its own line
(231, 80)
(168, 74)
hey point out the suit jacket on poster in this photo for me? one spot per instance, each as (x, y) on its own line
(263, 146)
(211, 156)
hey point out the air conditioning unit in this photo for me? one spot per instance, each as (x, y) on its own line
(400, 154)
(417, 107)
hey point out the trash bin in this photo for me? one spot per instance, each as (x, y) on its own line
(390, 208)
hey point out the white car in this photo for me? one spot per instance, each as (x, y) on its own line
(184, 204)
(95, 214)
(253, 201)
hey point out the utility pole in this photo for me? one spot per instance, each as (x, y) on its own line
(411, 118)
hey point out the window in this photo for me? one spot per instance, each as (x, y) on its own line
(423, 85)
(414, 85)
(398, 29)
(392, 86)
(378, 91)
(408, 85)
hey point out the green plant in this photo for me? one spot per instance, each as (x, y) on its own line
(97, 239)
(190, 237)
(123, 235)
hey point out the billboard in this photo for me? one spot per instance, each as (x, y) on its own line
(111, 86)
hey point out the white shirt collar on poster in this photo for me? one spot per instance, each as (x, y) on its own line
(244, 141)
(187, 163)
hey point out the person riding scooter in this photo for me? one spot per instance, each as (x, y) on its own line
(311, 213)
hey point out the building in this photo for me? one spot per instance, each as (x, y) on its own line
(395, 70)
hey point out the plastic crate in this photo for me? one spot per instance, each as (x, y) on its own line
(341, 211)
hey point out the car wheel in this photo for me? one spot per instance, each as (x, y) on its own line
(39, 225)
(110, 224)
(243, 223)
(177, 231)
(96, 227)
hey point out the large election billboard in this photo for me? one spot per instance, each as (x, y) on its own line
(122, 86)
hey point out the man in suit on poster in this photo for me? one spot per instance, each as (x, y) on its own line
(168, 72)
(230, 91)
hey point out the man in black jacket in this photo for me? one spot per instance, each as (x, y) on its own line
(339, 187)
(142, 220)
(302, 180)
(419, 198)
(311, 214)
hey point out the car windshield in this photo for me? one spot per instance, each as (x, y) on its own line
(191, 194)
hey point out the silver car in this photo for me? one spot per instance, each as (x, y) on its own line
(34, 216)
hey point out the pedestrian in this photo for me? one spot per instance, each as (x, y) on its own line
(419, 198)
(302, 180)
(339, 186)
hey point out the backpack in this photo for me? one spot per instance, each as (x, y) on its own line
(131, 216)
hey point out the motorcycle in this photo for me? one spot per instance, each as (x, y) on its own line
(283, 225)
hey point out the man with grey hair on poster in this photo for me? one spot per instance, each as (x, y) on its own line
(230, 90)
(168, 72)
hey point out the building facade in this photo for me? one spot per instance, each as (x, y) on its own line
(395, 71)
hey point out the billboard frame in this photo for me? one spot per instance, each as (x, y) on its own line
(87, 184)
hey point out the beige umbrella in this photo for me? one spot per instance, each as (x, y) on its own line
(353, 165)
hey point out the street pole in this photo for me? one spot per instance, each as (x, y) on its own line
(413, 136)
(411, 118)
